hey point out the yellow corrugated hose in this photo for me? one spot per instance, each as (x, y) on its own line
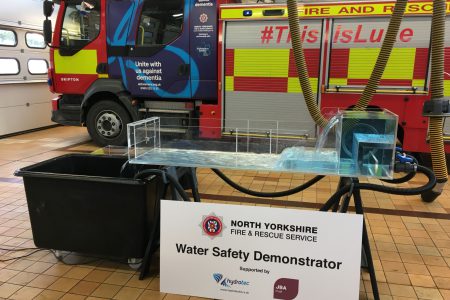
(374, 80)
(437, 71)
(383, 56)
(300, 62)
(437, 92)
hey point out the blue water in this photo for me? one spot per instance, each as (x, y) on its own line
(294, 159)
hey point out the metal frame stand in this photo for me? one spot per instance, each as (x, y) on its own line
(337, 206)
(190, 176)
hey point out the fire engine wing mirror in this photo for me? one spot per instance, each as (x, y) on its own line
(48, 8)
(48, 31)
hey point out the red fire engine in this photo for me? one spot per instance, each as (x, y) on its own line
(114, 62)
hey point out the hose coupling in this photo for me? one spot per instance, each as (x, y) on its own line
(405, 167)
(439, 107)
(403, 158)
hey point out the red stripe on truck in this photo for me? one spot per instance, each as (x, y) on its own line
(260, 84)
(447, 64)
(229, 62)
(421, 63)
(383, 82)
(312, 57)
(339, 63)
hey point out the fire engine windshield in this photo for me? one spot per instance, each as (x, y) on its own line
(81, 23)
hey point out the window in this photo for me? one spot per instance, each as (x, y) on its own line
(161, 22)
(9, 66)
(81, 24)
(35, 40)
(8, 38)
(37, 66)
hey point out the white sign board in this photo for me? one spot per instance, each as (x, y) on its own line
(247, 252)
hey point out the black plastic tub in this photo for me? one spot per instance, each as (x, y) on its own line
(81, 203)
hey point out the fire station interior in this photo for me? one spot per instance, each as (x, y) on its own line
(79, 220)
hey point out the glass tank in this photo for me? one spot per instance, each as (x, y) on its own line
(352, 144)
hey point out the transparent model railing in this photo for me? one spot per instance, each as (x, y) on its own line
(353, 144)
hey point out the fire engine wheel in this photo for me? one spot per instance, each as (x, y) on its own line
(106, 122)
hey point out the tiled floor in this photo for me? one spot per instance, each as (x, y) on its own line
(410, 239)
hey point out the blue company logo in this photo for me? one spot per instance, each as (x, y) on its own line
(226, 282)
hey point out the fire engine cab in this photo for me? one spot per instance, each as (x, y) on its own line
(115, 61)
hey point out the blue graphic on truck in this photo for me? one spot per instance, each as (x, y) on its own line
(175, 59)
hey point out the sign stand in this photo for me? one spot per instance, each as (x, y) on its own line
(335, 205)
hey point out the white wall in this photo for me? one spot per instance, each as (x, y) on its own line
(23, 13)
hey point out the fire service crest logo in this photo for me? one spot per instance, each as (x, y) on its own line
(212, 225)
(203, 18)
